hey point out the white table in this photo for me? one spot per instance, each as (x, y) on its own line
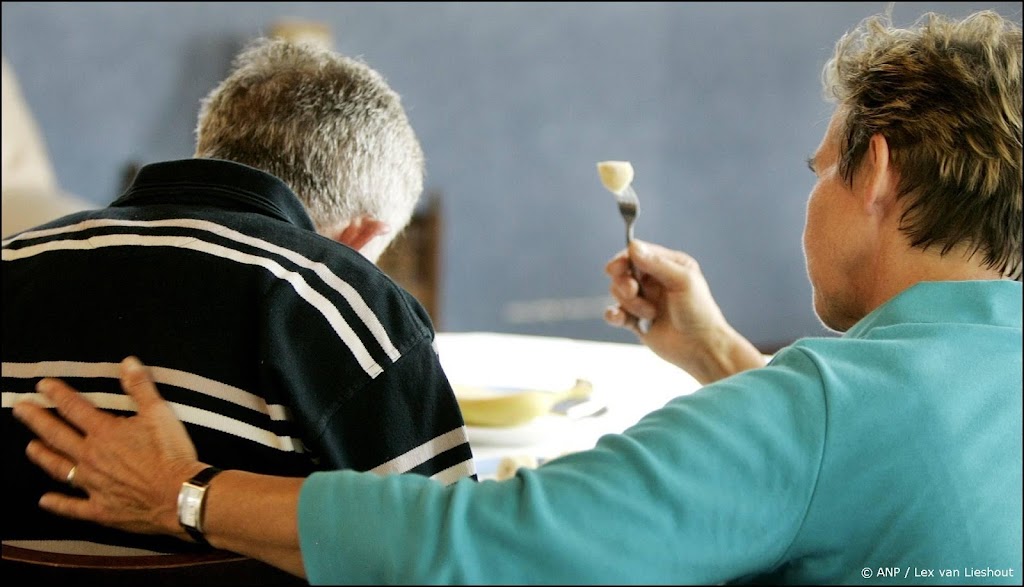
(629, 378)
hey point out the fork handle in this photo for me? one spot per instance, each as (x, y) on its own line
(643, 324)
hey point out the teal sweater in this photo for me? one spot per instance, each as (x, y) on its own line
(880, 456)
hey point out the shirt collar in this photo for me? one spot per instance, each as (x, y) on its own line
(215, 181)
(993, 302)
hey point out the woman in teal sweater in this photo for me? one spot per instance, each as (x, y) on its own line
(889, 454)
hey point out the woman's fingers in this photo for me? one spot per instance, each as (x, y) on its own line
(674, 270)
(55, 464)
(59, 437)
(137, 382)
(616, 316)
(70, 507)
(72, 406)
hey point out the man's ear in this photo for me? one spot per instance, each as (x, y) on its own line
(359, 231)
(878, 178)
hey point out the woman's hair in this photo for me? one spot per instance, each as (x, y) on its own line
(327, 125)
(946, 95)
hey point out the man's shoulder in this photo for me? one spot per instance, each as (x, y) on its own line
(335, 269)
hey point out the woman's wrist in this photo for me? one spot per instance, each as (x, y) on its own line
(192, 503)
(171, 516)
(255, 515)
(725, 353)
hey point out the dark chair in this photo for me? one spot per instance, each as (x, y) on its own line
(413, 259)
(36, 567)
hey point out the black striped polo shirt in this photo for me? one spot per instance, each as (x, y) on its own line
(282, 351)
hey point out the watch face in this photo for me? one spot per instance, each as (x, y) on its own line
(192, 498)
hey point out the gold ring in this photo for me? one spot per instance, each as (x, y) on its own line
(70, 479)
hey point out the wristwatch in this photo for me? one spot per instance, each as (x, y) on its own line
(191, 499)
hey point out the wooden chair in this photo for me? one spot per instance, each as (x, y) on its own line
(413, 259)
(36, 567)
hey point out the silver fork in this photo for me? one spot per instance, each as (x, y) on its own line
(629, 208)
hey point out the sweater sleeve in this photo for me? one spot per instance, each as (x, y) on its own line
(712, 487)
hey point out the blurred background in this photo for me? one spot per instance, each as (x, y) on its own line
(717, 106)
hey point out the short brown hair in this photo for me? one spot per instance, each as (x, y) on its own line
(946, 95)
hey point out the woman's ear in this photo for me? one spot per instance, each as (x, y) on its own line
(878, 178)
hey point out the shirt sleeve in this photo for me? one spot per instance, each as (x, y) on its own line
(710, 488)
(404, 420)
(360, 377)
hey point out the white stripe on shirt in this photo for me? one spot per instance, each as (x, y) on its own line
(189, 414)
(423, 453)
(356, 301)
(301, 287)
(162, 375)
(455, 472)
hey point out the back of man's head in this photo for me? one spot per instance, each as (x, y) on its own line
(329, 126)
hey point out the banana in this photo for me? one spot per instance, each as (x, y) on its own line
(481, 407)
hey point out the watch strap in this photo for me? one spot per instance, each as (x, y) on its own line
(196, 535)
(203, 478)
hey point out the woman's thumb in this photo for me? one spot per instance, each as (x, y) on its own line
(137, 381)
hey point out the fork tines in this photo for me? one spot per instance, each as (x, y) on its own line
(629, 208)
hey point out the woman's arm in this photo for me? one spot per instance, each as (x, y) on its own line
(256, 515)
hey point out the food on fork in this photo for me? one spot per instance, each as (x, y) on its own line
(615, 175)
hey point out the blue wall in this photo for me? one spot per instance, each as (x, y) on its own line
(717, 105)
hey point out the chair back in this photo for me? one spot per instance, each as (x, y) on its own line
(413, 259)
(36, 567)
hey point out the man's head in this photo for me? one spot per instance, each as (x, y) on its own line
(919, 174)
(328, 126)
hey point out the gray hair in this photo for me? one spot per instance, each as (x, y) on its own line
(327, 125)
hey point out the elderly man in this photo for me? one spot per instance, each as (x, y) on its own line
(245, 276)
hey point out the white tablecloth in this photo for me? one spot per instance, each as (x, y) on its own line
(629, 378)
